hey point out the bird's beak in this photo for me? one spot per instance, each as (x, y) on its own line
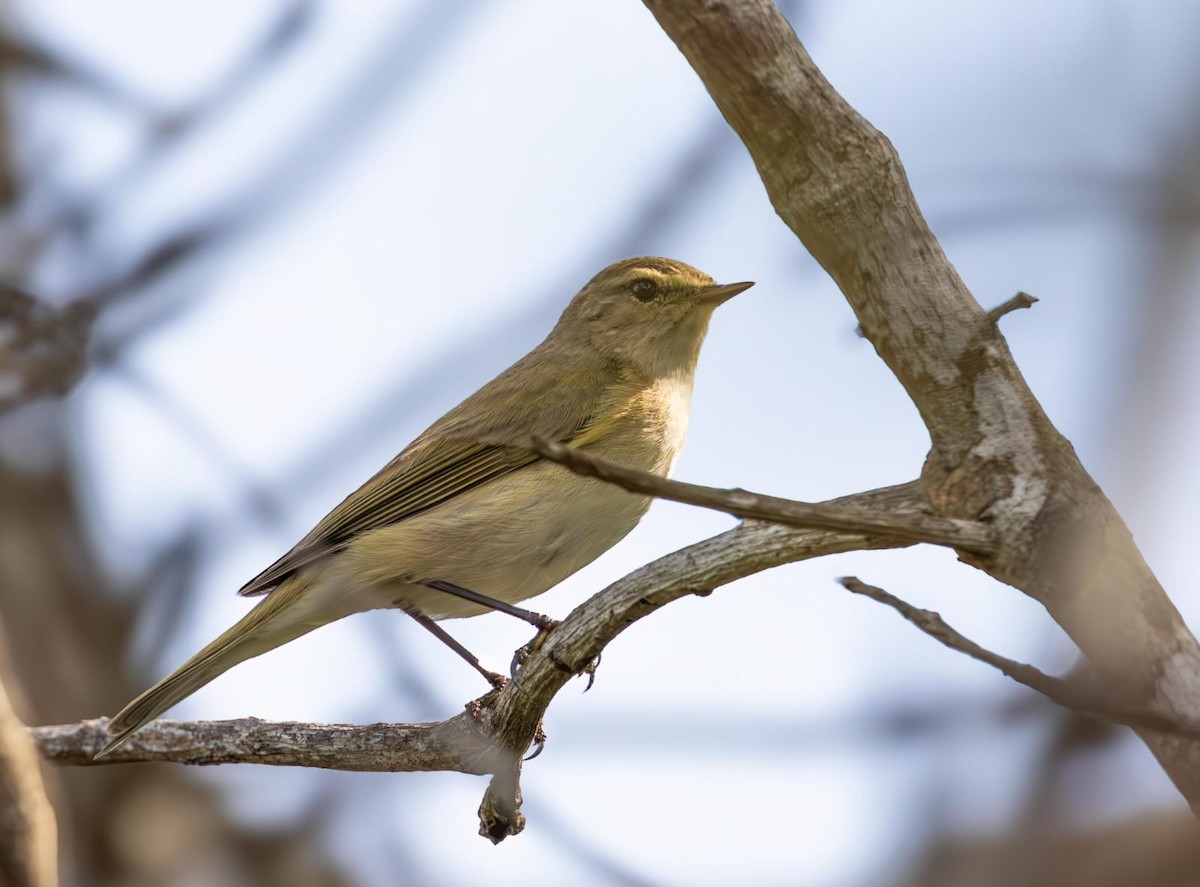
(722, 292)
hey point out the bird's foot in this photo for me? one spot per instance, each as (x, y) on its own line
(539, 742)
(497, 680)
(590, 671)
(521, 656)
(476, 707)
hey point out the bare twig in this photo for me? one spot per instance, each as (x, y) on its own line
(1020, 300)
(1077, 697)
(912, 527)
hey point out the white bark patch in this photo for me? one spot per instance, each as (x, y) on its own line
(1009, 435)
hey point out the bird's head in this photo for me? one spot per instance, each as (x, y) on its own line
(649, 312)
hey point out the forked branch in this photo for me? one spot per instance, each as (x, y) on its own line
(838, 183)
(496, 731)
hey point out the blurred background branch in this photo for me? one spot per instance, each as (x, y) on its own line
(70, 623)
(1075, 695)
(28, 830)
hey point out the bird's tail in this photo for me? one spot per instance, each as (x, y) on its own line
(279, 618)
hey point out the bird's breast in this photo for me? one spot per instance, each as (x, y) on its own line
(677, 398)
(651, 427)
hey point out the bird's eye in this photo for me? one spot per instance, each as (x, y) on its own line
(644, 290)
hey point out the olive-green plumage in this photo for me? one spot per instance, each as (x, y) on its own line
(468, 502)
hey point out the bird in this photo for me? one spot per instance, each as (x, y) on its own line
(468, 517)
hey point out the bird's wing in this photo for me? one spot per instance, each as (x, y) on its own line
(459, 452)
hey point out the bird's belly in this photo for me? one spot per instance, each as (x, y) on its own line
(511, 539)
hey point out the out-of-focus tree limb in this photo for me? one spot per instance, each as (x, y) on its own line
(116, 826)
(42, 349)
(28, 829)
(1077, 695)
(839, 185)
(1155, 848)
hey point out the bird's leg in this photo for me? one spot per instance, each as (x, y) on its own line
(544, 624)
(537, 620)
(496, 680)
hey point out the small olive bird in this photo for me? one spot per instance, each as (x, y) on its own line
(468, 518)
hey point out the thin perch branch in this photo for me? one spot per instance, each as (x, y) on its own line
(495, 731)
(452, 745)
(963, 535)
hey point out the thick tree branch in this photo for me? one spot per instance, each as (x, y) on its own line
(496, 731)
(912, 527)
(839, 185)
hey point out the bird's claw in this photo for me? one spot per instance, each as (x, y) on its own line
(522, 654)
(590, 671)
(476, 706)
(497, 680)
(539, 741)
